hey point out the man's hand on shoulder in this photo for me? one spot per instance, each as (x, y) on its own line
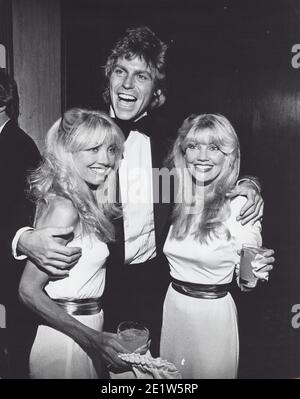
(46, 246)
(44, 251)
(254, 207)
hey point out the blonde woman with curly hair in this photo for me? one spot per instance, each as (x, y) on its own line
(74, 187)
(200, 332)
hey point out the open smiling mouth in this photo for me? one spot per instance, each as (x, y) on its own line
(98, 171)
(203, 168)
(127, 98)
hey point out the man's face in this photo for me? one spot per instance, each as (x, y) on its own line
(131, 88)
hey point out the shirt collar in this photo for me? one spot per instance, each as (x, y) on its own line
(2, 126)
(113, 115)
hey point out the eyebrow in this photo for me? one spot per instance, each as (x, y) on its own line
(93, 145)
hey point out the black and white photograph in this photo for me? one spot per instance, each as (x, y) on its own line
(150, 186)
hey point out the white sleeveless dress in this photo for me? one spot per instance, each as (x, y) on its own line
(54, 355)
(200, 336)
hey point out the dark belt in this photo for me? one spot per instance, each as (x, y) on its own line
(84, 306)
(204, 291)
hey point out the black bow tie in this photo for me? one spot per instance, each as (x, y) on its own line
(125, 126)
(128, 126)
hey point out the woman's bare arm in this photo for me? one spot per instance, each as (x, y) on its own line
(97, 344)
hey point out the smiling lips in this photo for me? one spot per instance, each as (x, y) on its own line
(126, 98)
(98, 170)
(203, 168)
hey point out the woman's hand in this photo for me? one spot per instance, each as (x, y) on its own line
(106, 346)
(263, 264)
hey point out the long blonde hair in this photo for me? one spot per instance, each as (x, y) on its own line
(58, 175)
(186, 216)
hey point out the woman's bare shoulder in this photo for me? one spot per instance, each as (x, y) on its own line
(59, 212)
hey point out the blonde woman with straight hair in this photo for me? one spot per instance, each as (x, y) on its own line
(200, 332)
(74, 187)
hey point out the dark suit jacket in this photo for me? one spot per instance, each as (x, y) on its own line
(18, 155)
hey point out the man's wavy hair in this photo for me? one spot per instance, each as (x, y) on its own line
(143, 43)
(204, 216)
(57, 174)
(9, 97)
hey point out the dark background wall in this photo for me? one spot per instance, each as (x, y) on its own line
(37, 64)
(232, 57)
(30, 31)
(6, 33)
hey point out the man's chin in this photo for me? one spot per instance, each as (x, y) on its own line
(126, 115)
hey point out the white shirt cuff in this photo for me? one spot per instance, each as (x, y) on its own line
(15, 243)
(247, 179)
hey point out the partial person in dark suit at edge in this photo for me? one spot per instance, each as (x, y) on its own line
(18, 155)
(137, 272)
